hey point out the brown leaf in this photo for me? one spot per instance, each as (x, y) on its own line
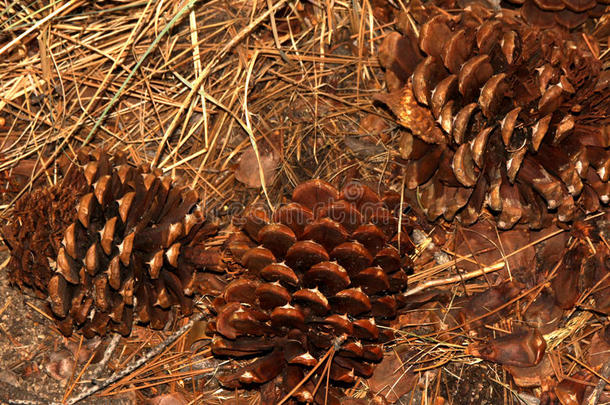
(248, 171)
(411, 115)
(175, 398)
(197, 334)
(520, 349)
(373, 124)
(482, 240)
(532, 376)
(60, 365)
(390, 379)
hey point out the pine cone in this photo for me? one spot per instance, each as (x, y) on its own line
(109, 242)
(566, 13)
(500, 113)
(327, 272)
(35, 231)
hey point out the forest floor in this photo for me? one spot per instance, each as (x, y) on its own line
(242, 100)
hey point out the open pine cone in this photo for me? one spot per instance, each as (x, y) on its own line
(502, 114)
(109, 244)
(566, 13)
(36, 227)
(328, 271)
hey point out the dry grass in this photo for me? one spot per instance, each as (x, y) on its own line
(189, 88)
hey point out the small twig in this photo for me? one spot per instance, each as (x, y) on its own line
(109, 350)
(454, 279)
(601, 384)
(137, 363)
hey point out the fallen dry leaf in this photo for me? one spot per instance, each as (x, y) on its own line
(391, 380)
(599, 350)
(482, 240)
(175, 398)
(532, 376)
(373, 124)
(248, 171)
(60, 365)
(520, 349)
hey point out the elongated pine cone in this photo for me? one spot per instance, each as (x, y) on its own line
(502, 114)
(327, 273)
(34, 234)
(566, 13)
(110, 244)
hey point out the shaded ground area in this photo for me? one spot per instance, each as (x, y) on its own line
(31, 351)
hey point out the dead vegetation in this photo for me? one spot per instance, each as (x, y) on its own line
(242, 101)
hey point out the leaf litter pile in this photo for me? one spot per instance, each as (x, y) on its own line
(286, 202)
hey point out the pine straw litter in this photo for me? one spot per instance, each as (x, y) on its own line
(244, 100)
